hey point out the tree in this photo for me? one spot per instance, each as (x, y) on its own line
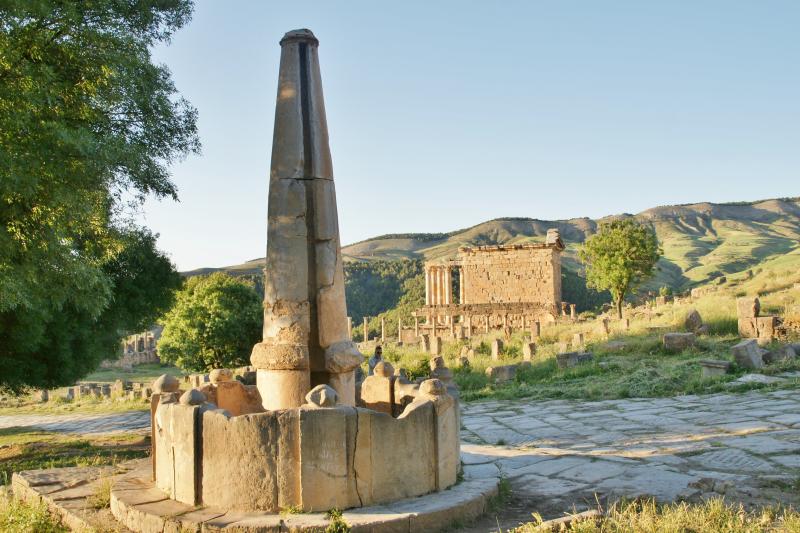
(142, 280)
(619, 257)
(215, 322)
(88, 129)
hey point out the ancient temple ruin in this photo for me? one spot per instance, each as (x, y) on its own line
(494, 287)
(302, 437)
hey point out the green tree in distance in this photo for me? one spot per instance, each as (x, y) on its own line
(215, 322)
(619, 257)
(88, 129)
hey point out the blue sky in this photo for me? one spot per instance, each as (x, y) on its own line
(445, 114)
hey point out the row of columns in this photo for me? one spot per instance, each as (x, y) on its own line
(439, 285)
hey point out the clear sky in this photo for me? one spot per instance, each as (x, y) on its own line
(445, 114)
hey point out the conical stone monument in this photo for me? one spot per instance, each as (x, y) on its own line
(306, 341)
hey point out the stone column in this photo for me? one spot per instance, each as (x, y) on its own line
(416, 326)
(350, 328)
(399, 330)
(536, 329)
(383, 330)
(366, 330)
(572, 311)
(452, 326)
(448, 286)
(428, 291)
(305, 339)
(461, 285)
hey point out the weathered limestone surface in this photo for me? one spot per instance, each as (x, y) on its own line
(748, 354)
(497, 349)
(676, 342)
(306, 338)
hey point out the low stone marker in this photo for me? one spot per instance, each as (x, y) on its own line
(577, 341)
(570, 359)
(675, 342)
(562, 347)
(424, 343)
(528, 350)
(693, 321)
(500, 374)
(748, 354)
(710, 368)
(497, 349)
(436, 346)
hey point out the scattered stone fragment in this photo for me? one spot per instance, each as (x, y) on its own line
(192, 397)
(756, 378)
(747, 354)
(323, 396)
(219, 375)
(675, 342)
(779, 354)
(504, 373)
(713, 368)
(571, 359)
(165, 383)
(693, 321)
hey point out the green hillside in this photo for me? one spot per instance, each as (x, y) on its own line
(701, 242)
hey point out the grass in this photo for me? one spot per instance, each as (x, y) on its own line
(712, 516)
(18, 516)
(30, 449)
(144, 373)
(640, 369)
(58, 406)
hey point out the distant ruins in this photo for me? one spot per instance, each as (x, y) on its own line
(494, 287)
(137, 349)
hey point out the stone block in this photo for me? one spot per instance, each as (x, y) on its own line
(324, 465)
(571, 359)
(377, 393)
(748, 307)
(779, 354)
(238, 399)
(177, 463)
(239, 461)
(766, 327)
(693, 320)
(748, 354)
(436, 346)
(500, 374)
(748, 328)
(577, 341)
(713, 368)
(528, 351)
(676, 342)
(497, 349)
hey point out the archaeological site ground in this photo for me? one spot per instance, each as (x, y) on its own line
(494, 378)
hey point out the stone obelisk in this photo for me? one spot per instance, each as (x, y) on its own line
(306, 342)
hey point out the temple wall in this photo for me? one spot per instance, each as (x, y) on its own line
(508, 275)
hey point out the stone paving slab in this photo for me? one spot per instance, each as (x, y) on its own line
(564, 452)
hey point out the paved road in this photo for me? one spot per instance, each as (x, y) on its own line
(560, 454)
(557, 454)
(82, 423)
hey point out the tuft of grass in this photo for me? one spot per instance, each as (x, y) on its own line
(499, 500)
(337, 523)
(101, 497)
(16, 515)
(711, 516)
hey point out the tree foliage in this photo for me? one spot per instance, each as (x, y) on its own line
(46, 349)
(377, 286)
(88, 128)
(215, 322)
(619, 257)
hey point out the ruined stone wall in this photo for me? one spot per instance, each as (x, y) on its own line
(137, 349)
(511, 274)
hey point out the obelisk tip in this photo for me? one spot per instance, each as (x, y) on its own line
(302, 35)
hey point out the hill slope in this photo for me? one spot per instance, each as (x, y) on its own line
(701, 241)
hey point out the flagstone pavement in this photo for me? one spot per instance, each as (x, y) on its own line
(563, 454)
